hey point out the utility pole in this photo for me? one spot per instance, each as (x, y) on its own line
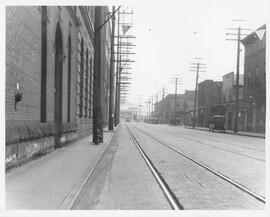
(111, 105)
(198, 66)
(152, 105)
(98, 75)
(163, 107)
(236, 116)
(175, 99)
(236, 106)
(123, 62)
(176, 82)
(149, 107)
(117, 74)
(98, 79)
(140, 108)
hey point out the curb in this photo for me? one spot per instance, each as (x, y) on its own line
(231, 133)
(76, 189)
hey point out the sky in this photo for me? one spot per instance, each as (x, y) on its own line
(170, 34)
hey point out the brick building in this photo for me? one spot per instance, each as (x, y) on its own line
(85, 69)
(209, 101)
(228, 100)
(49, 60)
(255, 79)
(164, 109)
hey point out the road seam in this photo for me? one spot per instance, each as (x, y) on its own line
(76, 189)
(230, 133)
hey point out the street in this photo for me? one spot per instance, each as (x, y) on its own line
(122, 180)
(141, 106)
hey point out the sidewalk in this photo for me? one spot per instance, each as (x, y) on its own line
(241, 133)
(54, 180)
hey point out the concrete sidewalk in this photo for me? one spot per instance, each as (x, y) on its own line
(54, 180)
(241, 133)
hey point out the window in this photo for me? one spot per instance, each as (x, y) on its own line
(256, 74)
(69, 79)
(43, 64)
(81, 79)
(249, 78)
(91, 87)
(264, 72)
(86, 84)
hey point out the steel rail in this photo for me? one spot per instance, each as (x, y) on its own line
(236, 184)
(174, 203)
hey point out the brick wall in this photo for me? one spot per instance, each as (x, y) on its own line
(84, 120)
(23, 62)
(23, 66)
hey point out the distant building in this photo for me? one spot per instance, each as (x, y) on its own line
(255, 79)
(131, 113)
(164, 109)
(209, 101)
(228, 100)
(189, 97)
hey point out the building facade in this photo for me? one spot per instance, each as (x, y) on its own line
(49, 77)
(255, 79)
(209, 101)
(228, 101)
(165, 109)
(85, 69)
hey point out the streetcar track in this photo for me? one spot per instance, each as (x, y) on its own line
(214, 140)
(223, 177)
(224, 149)
(172, 199)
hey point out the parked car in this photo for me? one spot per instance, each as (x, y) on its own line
(217, 123)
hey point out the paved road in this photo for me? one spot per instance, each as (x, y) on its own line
(238, 157)
(123, 181)
(193, 185)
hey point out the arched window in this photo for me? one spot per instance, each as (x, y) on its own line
(86, 84)
(58, 80)
(81, 78)
(69, 79)
(58, 74)
(43, 85)
(91, 88)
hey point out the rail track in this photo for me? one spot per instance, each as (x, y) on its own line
(168, 193)
(174, 203)
(229, 150)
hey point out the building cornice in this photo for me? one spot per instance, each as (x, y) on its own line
(73, 15)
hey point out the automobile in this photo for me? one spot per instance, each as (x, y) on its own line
(175, 122)
(217, 123)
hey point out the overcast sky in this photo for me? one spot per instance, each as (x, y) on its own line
(169, 34)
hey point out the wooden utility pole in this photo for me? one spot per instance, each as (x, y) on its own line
(197, 67)
(236, 117)
(195, 98)
(163, 107)
(117, 74)
(176, 82)
(236, 106)
(175, 96)
(111, 102)
(98, 79)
